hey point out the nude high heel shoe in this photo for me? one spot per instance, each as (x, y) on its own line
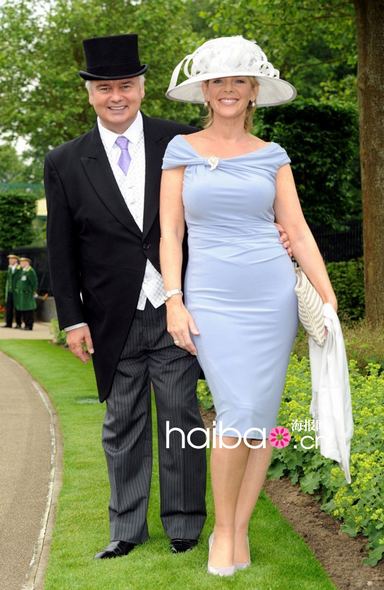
(244, 565)
(219, 571)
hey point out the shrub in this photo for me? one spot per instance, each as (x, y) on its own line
(17, 212)
(347, 279)
(322, 142)
(204, 395)
(59, 336)
(358, 505)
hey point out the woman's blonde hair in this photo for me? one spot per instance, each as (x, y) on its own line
(248, 119)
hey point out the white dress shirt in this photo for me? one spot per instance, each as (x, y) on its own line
(132, 187)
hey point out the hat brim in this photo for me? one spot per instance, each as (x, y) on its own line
(272, 91)
(121, 76)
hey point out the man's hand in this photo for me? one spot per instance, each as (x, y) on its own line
(284, 239)
(80, 343)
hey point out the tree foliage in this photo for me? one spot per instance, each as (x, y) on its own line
(12, 167)
(312, 43)
(42, 97)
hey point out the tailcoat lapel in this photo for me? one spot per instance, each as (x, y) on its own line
(155, 144)
(100, 175)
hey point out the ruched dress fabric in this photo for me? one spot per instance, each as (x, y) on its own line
(239, 284)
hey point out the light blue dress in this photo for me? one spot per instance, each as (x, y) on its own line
(239, 284)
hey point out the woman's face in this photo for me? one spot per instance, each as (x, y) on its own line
(229, 97)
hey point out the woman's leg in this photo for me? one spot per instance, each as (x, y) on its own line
(251, 485)
(228, 466)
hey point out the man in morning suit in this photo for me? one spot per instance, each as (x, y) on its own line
(103, 237)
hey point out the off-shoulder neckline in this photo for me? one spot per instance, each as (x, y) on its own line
(271, 143)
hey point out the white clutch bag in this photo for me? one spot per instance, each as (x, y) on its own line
(310, 307)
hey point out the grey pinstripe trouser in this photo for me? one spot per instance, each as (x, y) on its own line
(149, 356)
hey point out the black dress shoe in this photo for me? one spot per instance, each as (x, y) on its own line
(116, 549)
(182, 545)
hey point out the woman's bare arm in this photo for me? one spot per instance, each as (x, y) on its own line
(305, 250)
(180, 323)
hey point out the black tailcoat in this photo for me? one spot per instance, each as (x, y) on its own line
(97, 253)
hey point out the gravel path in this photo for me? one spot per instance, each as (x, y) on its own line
(41, 331)
(27, 476)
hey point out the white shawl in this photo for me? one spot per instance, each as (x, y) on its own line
(331, 396)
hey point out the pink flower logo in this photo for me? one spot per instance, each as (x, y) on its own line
(279, 437)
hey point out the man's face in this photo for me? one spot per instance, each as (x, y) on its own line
(12, 261)
(116, 102)
(24, 263)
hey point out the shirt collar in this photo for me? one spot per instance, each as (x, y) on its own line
(133, 133)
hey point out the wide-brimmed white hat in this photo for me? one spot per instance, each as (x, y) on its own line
(229, 56)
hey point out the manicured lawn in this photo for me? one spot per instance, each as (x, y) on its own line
(281, 559)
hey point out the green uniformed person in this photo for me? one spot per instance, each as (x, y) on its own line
(13, 273)
(25, 300)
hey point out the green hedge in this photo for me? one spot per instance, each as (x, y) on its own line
(322, 142)
(347, 279)
(17, 212)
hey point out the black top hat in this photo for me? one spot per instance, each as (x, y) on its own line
(112, 58)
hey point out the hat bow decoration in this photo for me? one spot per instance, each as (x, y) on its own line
(231, 57)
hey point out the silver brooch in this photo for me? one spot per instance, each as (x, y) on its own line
(213, 162)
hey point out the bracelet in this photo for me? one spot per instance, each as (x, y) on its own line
(171, 293)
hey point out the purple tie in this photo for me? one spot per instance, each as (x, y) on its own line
(124, 159)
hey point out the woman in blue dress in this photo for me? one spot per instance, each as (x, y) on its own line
(239, 313)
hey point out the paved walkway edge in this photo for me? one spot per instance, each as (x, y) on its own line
(39, 561)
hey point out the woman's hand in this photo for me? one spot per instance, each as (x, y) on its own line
(180, 324)
(332, 301)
